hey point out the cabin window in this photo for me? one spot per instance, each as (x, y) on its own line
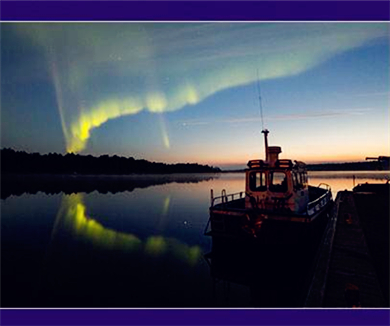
(257, 181)
(303, 178)
(297, 181)
(278, 182)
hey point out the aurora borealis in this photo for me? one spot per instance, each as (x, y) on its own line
(187, 91)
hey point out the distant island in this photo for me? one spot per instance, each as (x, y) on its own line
(378, 164)
(17, 162)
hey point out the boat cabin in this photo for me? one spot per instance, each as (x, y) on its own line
(276, 184)
(276, 194)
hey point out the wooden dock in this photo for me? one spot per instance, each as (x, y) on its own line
(352, 266)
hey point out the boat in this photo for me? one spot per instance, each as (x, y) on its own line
(277, 204)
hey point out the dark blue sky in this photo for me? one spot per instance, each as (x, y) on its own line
(187, 91)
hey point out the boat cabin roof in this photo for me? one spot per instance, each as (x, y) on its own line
(283, 164)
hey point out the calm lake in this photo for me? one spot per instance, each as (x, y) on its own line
(140, 248)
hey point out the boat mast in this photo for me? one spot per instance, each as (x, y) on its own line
(264, 131)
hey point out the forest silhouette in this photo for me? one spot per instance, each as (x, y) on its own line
(21, 162)
(22, 172)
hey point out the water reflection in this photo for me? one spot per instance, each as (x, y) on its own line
(14, 184)
(141, 248)
(88, 264)
(346, 180)
(73, 220)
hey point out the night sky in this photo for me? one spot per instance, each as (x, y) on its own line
(187, 92)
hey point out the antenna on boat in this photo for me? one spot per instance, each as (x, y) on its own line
(264, 131)
(261, 106)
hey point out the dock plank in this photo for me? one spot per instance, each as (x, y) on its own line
(352, 280)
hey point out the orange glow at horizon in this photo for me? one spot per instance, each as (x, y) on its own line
(322, 156)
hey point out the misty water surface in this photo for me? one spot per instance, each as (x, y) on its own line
(140, 248)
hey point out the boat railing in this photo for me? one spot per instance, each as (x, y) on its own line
(325, 185)
(225, 198)
(320, 202)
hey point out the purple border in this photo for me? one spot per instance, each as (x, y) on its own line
(357, 317)
(195, 10)
(192, 10)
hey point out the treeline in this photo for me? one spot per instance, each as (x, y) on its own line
(53, 163)
(351, 166)
(375, 165)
